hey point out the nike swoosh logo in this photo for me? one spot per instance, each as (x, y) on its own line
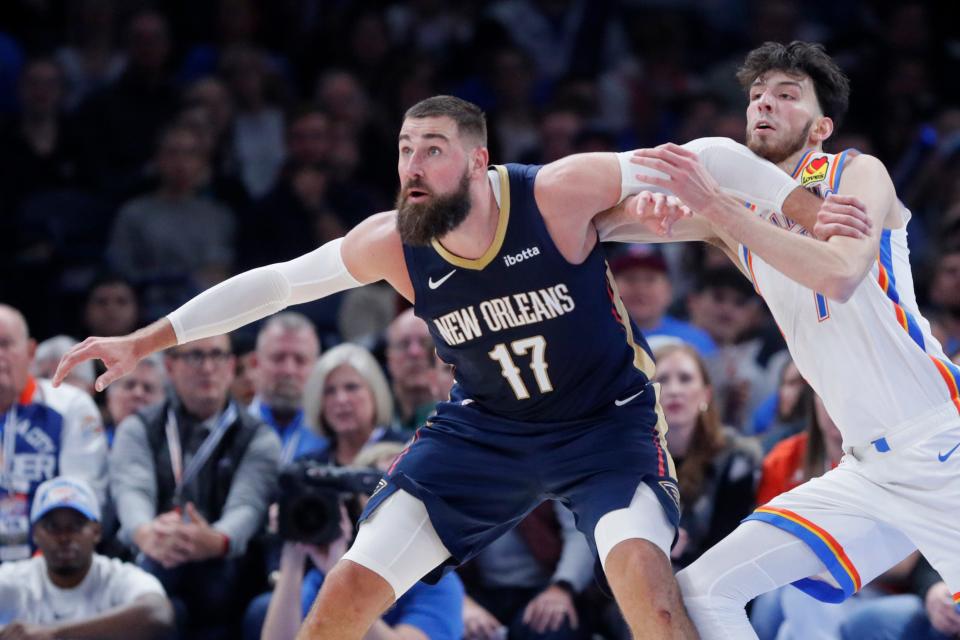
(620, 403)
(943, 458)
(433, 284)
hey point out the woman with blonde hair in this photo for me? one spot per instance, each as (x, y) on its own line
(347, 400)
(716, 467)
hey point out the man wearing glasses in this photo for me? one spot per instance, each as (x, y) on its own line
(192, 478)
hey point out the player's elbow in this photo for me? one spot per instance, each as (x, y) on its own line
(840, 286)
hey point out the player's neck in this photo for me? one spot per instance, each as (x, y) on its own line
(476, 233)
(790, 163)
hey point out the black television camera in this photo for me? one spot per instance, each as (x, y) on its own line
(310, 498)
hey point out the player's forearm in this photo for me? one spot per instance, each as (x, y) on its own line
(824, 267)
(255, 294)
(738, 171)
(149, 616)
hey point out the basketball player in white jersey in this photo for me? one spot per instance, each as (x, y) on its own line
(847, 310)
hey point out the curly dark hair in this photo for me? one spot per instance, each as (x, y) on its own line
(801, 59)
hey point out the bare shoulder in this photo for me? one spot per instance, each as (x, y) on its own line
(372, 251)
(866, 170)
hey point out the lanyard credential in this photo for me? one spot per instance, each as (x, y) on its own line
(9, 447)
(182, 477)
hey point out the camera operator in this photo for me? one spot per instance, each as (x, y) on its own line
(425, 612)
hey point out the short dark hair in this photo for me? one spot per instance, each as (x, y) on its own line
(469, 117)
(801, 58)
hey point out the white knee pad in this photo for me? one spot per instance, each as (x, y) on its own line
(398, 543)
(643, 518)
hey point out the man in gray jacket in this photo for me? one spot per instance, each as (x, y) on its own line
(191, 479)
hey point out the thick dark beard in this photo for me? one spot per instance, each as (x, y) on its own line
(419, 223)
(776, 155)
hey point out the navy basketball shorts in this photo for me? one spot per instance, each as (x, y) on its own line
(479, 474)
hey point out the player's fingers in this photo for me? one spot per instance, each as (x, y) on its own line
(656, 164)
(108, 377)
(659, 201)
(678, 150)
(845, 215)
(644, 198)
(659, 154)
(77, 354)
(826, 231)
(829, 217)
(841, 198)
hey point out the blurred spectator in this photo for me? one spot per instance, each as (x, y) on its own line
(244, 386)
(746, 361)
(805, 455)
(560, 127)
(359, 130)
(191, 479)
(643, 280)
(121, 122)
(258, 126)
(563, 36)
(928, 613)
(716, 467)
(173, 242)
(47, 357)
(212, 98)
(112, 307)
(347, 399)
(790, 410)
(790, 463)
(139, 389)
(411, 359)
(366, 312)
(945, 296)
(90, 61)
(51, 431)
(297, 215)
(38, 149)
(69, 591)
(528, 583)
(432, 26)
(424, 611)
(286, 353)
(512, 119)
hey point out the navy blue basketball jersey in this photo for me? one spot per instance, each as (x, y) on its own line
(531, 336)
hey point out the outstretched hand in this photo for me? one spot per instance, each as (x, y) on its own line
(118, 356)
(682, 174)
(841, 215)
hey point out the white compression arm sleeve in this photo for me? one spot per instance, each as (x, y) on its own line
(738, 170)
(259, 292)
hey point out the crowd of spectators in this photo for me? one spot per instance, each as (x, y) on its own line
(149, 150)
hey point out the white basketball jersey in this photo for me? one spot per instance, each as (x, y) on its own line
(871, 359)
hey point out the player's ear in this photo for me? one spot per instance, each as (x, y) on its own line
(822, 128)
(481, 159)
